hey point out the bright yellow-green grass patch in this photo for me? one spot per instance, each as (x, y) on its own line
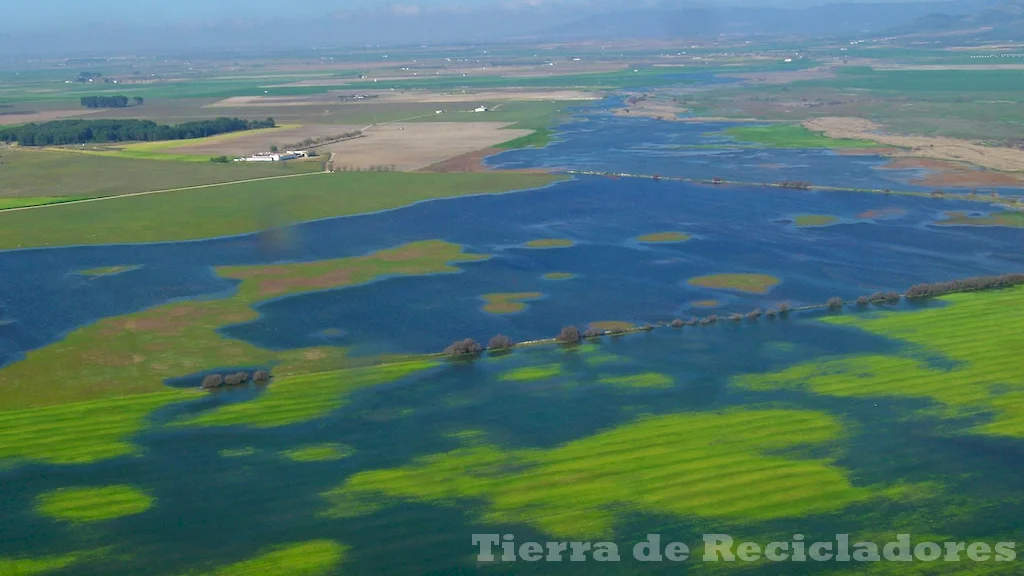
(36, 566)
(718, 465)
(979, 333)
(612, 325)
(806, 220)
(508, 302)
(93, 504)
(107, 270)
(664, 237)
(314, 558)
(80, 432)
(753, 283)
(319, 453)
(301, 398)
(559, 276)
(244, 207)
(549, 243)
(645, 380)
(531, 373)
(262, 282)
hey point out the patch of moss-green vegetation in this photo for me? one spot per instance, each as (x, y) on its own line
(807, 220)
(134, 354)
(532, 373)
(80, 432)
(8, 203)
(753, 283)
(295, 399)
(612, 325)
(244, 207)
(315, 558)
(664, 237)
(559, 276)
(792, 136)
(107, 270)
(706, 465)
(645, 380)
(319, 453)
(80, 505)
(1010, 218)
(36, 566)
(550, 243)
(978, 332)
(508, 302)
(263, 282)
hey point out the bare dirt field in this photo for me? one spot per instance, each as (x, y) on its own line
(948, 67)
(938, 148)
(43, 116)
(261, 141)
(387, 96)
(413, 146)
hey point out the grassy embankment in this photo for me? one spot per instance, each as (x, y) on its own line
(978, 334)
(244, 207)
(113, 371)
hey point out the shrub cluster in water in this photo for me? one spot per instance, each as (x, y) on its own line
(467, 347)
(966, 285)
(236, 379)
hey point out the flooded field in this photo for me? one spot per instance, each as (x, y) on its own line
(867, 420)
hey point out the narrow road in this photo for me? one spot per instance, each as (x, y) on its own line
(148, 192)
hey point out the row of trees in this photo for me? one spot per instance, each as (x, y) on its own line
(62, 132)
(110, 101)
(236, 379)
(573, 335)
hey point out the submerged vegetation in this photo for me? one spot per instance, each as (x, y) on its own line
(792, 136)
(508, 302)
(754, 283)
(549, 243)
(664, 237)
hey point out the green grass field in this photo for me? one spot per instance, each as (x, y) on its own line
(242, 208)
(979, 333)
(314, 558)
(580, 489)
(31, 176)
(792, 136)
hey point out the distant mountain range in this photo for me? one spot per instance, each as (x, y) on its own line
(530, 20)
(1000, 21)
(846, 18)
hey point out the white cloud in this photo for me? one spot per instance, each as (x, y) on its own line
(405, 9)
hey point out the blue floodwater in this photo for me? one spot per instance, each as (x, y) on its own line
(735, 229)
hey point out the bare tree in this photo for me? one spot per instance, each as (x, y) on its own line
(213, 381)
(835, 302)
(568, 335)
(500, 342)
(467, 347)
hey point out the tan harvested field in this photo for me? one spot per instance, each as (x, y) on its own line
(938, 148)
(43, 116)
(261, 141)
(416, 145)
(407, 96)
